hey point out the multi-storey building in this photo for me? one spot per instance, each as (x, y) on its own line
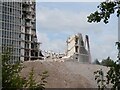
(10, 22)
(29, 37)
(76, 48)
(18, 29)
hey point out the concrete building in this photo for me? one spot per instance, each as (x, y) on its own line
(76, 48)
(18, 30)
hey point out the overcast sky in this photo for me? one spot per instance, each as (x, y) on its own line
(56, 21)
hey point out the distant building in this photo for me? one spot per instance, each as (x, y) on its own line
(76, 48)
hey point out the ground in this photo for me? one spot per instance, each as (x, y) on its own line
(65, 74)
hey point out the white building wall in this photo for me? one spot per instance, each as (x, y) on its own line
(71, 46)
(81, 54)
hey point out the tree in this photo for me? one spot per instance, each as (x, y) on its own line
(105, 10)
(113, 76)
(100, 78)
(96, 62)
(31, 82)
(107, 62)
(11, 78)
(10, 73)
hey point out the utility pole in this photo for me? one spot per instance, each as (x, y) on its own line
(118, 44)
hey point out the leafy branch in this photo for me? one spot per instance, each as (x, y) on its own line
(105, 10)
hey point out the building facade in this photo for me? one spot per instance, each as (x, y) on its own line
(76, 48)
(18, 30)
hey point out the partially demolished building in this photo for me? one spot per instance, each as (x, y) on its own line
(18, 30)
(77, 49)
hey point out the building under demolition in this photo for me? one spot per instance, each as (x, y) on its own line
(77, 49)
(18, 29)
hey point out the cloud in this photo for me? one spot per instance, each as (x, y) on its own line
(101, 50)
(106, 47)
(57, 45)
(60, 22)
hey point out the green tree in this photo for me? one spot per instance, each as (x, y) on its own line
(107, 62)
(105, 10)
(10, 73)
(113, 77)
(31, 82)
(100, 78)
(96, 62)
(11, 78)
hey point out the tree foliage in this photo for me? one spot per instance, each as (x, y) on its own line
(107, 62)
(11, 78)
(100, 78)
(10, 73)
(112, 77)
(96, 62)
(105, 10)
(31, 82)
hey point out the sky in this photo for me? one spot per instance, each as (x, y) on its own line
(56, 21)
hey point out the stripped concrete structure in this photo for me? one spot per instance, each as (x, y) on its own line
(77, 50)
(30, 45)
(18, 29)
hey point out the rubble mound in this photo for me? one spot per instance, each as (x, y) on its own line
(64, 74)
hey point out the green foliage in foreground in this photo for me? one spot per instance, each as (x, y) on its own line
(112, 77)
(105, 10)
(96, 62)
(11, 78)
(107, 62)
(99, 77)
